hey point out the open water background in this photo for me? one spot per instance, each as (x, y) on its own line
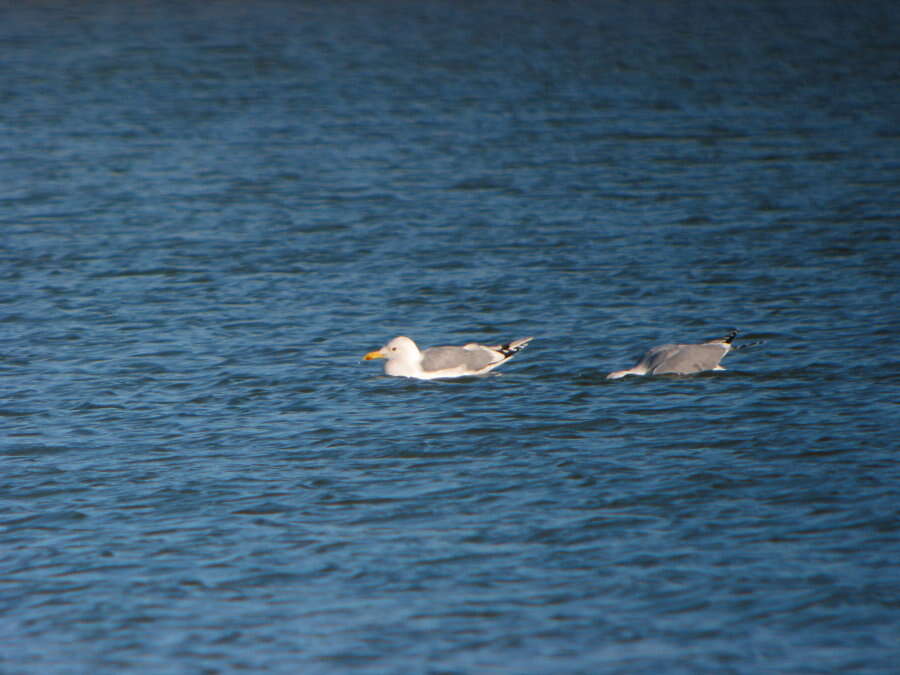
(211, 210)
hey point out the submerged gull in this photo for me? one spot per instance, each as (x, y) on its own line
(405, 359)
(681, 359)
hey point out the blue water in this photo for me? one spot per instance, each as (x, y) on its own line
(210, 211)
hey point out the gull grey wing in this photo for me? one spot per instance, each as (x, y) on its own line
(442, 358)
(656, 357)
(685, 359)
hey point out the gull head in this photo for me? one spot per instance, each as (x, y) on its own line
(400, 349)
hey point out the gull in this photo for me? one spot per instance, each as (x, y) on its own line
(405, 360)
(681, 359)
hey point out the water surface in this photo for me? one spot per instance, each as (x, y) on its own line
(211, 211)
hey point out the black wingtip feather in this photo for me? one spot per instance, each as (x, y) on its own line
(508, 349)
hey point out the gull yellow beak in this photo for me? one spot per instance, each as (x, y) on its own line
(377, 354)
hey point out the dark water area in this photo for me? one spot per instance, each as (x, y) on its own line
(210, 211)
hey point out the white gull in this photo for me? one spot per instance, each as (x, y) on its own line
(404, 359)
(681, 359)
